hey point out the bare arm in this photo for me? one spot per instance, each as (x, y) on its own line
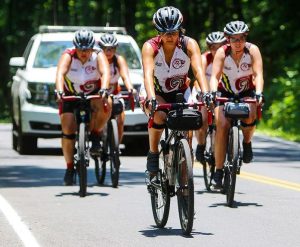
(103, 67)
(62, 69)
(148, 65)
(217, 69)
(257, 66)
(124, 72)
(194, 53)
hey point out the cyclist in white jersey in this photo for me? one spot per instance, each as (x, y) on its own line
(166, 61)
(118, 68)
(79, 71)
(237, 70)
(214, 41)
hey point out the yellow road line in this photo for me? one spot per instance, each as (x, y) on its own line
(264, 179)
(272, 181)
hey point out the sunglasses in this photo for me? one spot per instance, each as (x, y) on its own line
(109, 48)
(169, 33)
(235, 40)
(85, 50)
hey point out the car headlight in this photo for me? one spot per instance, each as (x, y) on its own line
(41, 94)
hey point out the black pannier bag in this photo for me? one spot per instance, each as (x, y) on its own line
(186, 119)
(117, 107)
(236, 110)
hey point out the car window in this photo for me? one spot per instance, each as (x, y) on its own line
(49, 53)
(28, 49)
(127, 51)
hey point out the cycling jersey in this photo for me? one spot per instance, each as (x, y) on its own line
(237, 79)
(170, 78)
(209, 62)
(82, 77)
(114, 87)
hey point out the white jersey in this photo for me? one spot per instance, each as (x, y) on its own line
(82, 77)
(170, 78)
(114, 76)
(237, 79)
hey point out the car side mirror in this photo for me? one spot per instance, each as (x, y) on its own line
(17, 62)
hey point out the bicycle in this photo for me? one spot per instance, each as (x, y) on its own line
(208, 166)
(110, 143)
(82, 115)
(235, 109)
(175, 175)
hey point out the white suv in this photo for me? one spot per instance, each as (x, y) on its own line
(34, 110)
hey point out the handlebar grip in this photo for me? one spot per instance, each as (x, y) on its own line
(132, 102)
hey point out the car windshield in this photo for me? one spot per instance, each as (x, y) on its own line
(49, 53)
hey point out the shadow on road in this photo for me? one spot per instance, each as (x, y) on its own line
(168, 231)
(237, 204)
(32, 176)
(77, 194)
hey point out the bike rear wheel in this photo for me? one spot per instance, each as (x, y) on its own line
(100, 161)
(232, 165)
(185, 186)
(114, 155)
(82, 161)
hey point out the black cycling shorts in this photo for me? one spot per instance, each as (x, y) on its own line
(248, 93)
(170, 97)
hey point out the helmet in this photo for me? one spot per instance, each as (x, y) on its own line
(236, 27)
(108, 40)
(84, 39)
(215, 38)
(167, 19)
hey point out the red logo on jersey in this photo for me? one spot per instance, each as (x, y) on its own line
(88, 87)
(244, 83)
(245, 66)
(89, 69)
(175, 82)
(178, 63)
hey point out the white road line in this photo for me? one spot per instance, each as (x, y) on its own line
(17, 224)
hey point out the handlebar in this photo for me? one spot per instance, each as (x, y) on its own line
(248, 100)
(170, 106)
(129, 97)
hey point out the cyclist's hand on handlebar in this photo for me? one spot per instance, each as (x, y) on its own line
(150, 105)
(207, 98)
(260, 98)
(58, 95)
(103, 93)
(132, 91)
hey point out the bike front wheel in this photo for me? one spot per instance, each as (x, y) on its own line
(185, 186)
(114, 154)
(82, 161)
(232, 165)
(209, 165)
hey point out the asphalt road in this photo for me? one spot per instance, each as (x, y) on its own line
(37, 210)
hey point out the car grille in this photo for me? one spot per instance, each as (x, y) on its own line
(136, 128)
(44, 126)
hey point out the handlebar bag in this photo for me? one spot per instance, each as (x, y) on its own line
(186, 119)
(236, 110)
(117, 107)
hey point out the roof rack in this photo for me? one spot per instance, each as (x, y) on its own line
(55, 29)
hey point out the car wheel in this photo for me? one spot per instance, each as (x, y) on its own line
(24, 144)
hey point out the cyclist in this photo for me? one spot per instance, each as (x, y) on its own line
(166, 61)
(214, 41)
(237, 70)
(79, 71)
(118, 67)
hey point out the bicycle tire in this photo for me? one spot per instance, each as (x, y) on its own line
(114, 152)
(185, 186)
(160, 197)
(232, 164)
(100, 161)
(82, 146)
(209, 166)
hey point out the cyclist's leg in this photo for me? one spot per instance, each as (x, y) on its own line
(154, 138)
(120, 122)
(99, 117)
(248, 127)
(222, 127)
(201, 136)
(68, 143)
